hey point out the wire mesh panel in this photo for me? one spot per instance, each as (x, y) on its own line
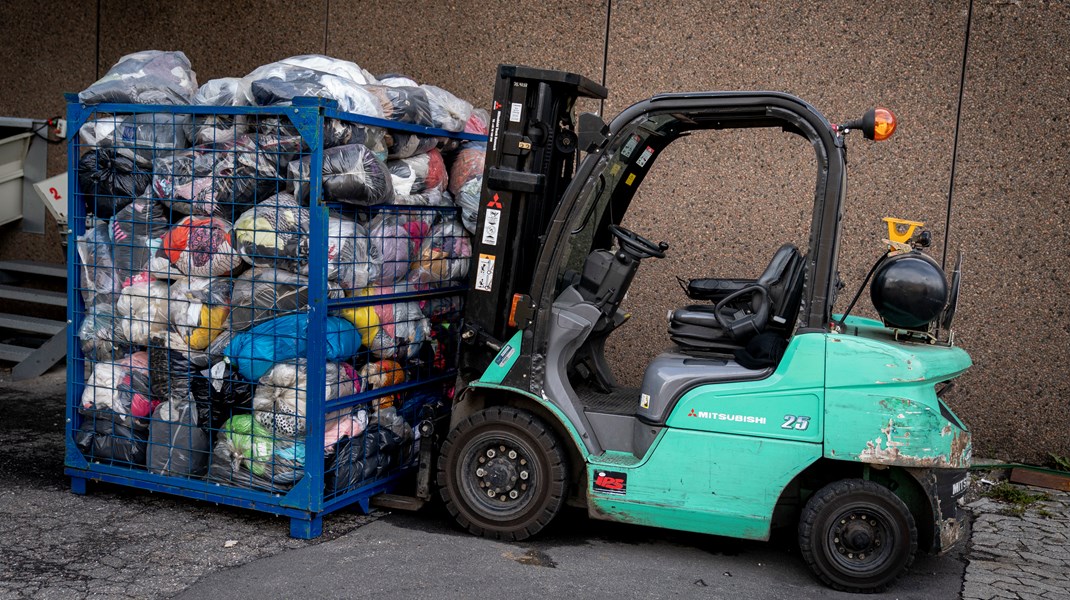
(266, 302)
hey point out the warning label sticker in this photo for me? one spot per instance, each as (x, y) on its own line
(630, 180)
(514, 112)
(645, 156)
(629, 146)
(490, 226)
(485, 272)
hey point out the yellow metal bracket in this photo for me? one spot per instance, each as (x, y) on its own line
(901, 230)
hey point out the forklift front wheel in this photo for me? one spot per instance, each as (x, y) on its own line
(857, 536)
(503, 474)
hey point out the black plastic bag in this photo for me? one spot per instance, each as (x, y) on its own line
(110, 179)
(361, 459)
(106, 436)
(177, 446)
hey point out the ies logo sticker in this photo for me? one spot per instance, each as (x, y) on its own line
(611, 482)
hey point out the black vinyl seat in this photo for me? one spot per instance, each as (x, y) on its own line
(741, 309)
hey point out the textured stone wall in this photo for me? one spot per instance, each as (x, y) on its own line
(724, 201)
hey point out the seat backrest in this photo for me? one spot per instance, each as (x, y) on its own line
(783, 279)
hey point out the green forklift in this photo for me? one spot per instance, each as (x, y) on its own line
(767, 409)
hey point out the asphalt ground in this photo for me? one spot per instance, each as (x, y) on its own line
(118, 542)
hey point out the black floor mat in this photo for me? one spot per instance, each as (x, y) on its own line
(622, 401)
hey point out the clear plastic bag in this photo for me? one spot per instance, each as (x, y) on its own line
(142, 308)
(220, 180)
(274, 232)
(198, 247)
(444, 255)
(402, 330)
(199, 309)
(447, 111)
(466, 181)
(99, 333)
(98, 275)
(392, 243)
(216, 129)
(263, 293)
(403, 104)
(418, 174)
(352, 174)
(149, 77)
(136, 232)
(279, 400)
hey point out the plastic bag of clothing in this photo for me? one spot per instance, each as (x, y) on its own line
(149, 77)
(362, 459)
(122, 387)
(264, 293)
(105, 436)
(404, 104)
(350, 261)
(244, 452)
(444, 255)
(402, 144)
(217, 392)
(352, 174)
(273, 232)
(379, 374)
(391, 241)
(285, 338)
(447, 111)
(101, 338)
(136, 232)
(478, 123)
(248, 456)
(279, 400)
(142, 308)
(417, 174)
(110, 178)
(98, 275)
(343, 424)
(177, 445)
(199, 309)
(220, 180)
(312, 62)
(145, 133)
(402, 329)
(198, 247)
(215, 129)
(466, 181)
(432, 197)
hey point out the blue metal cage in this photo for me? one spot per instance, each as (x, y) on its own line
(263, 302)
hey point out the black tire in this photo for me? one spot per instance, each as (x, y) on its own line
(857, 536)
(515, 455)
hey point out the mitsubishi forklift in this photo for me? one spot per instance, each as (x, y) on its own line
(767, 407)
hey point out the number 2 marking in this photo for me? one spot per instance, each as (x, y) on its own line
(55, 194)
(799, 423)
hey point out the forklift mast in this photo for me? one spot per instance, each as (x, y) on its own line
(531, 158)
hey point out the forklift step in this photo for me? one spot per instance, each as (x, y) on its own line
(11, 292)
(29, 267)
(31, 324)
(398, 502)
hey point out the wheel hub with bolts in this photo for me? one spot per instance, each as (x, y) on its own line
(503, 473)
(857, 535)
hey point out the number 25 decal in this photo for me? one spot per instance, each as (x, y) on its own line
(796, 422)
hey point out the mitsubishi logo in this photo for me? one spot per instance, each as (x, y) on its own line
(494, 202)
(692, 413)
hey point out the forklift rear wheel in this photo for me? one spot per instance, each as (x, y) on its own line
(857, 536)
(502, 474)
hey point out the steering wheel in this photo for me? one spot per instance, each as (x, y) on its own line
(637, 245)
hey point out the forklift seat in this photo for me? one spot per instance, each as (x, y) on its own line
(769, 303)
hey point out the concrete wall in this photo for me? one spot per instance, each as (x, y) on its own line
(724, 202)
